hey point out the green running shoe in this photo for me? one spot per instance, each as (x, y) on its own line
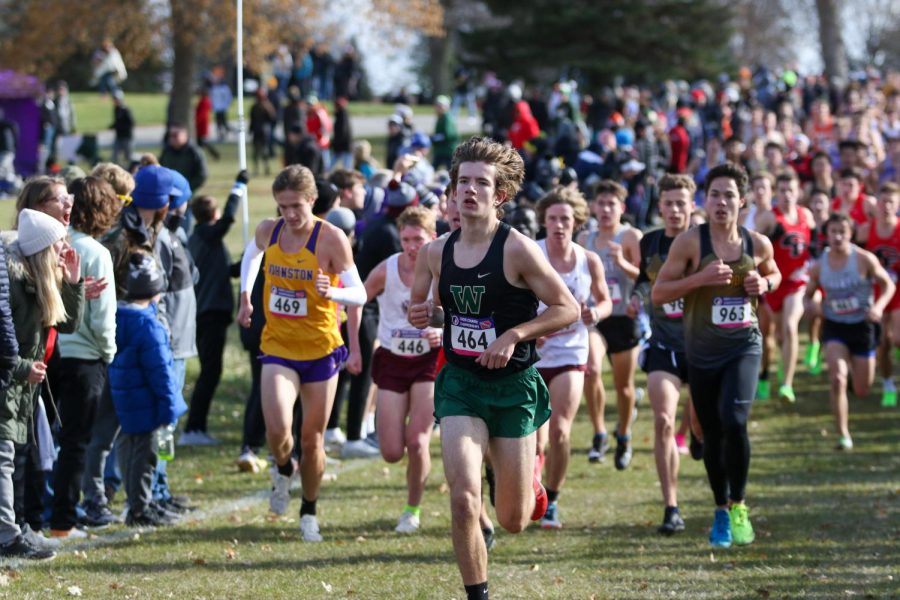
(889, 398)
(815, 364)
(786, 393)
(741, 529)
(812, 355)
(763, 390)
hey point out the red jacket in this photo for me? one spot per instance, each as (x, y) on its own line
(318, 123)
(201, 116)
(525, 127)
(680, 142)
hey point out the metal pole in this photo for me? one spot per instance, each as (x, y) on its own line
(242, 138)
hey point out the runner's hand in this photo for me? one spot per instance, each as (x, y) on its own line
(874, 314)
(354, 362)
(434, 337)
(497, 355)
(419, 315)
(615, 253)
(755, 284)
(323, 285)
(716, 273)
(539, 343)
(633, 307)
(94, 287)
(244, 313)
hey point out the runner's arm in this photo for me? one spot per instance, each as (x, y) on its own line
(599, 290)
(671, 281)
(423, 312)
(882, 280)
(250, 262)
(766, 277)
(340, 261)
(375, 281)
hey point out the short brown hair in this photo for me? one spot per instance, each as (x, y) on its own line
(417, 216)
(344, 179)
(608, 186)
(564, 195)
(850, 172)
(677, 181)
(296, 178)
(889, 187)
(96, 205)
(787, 175)
(148, 158)
(760, 175)
(508, 163)
(204, 208)
(121, 180)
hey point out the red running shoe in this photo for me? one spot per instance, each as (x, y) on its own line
(540, 500)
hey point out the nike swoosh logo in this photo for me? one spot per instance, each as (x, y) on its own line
(482, 275)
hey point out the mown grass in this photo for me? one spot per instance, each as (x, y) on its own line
(95, 114)
(828, 523)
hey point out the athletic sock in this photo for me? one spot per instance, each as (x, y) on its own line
(552, 495)
(287, 469)
(478, 591)
(307, 507)
(887, 384)
(412, 509)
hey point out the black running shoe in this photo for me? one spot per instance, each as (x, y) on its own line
(97, 515)
(599, 448)
(21, 547)
(489, 540)
(696, 448)
(672, 522)
(623, 452)
(489, 475)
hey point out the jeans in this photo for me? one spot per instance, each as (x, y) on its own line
(137, 460)
(96, 466)
(160, 485)
(9, 529)
(212, 331)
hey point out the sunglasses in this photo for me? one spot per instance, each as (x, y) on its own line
(126, 199)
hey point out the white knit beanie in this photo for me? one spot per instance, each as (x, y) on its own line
(37, 231)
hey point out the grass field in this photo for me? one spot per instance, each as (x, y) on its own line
(95, 114)
(828, 523)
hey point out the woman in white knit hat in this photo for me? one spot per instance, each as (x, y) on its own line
(45, 291)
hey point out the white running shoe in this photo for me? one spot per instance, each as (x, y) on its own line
(248, 462)
(196, 438)
(281, 493)
(335, 437)
(408, 523)
(309, 529)
(359, 449)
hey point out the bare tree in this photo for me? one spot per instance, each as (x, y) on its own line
(834, 52)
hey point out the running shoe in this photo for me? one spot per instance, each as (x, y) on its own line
(309, 529)
(681, 444)
(786, 393)
(281, 493)
(540, 500)
(623, 452)
(489, 540)
(408, 523)
(492, 485)
(672, 522)
(69, 534)
(720, 534)
(249, 462)
(97, 515)
(844, 443)
(763, 390)
(599, 448)
(21, 547)
(816, 365)
(37, 539)
(696, 447)
(359, 449)
(741, 529)
(889, 398)
(335, 437)
(550, 520)
(197, 438)
(812, 359)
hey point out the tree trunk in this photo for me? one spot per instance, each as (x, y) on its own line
(834, 53)
(440, 50)
(184, 50)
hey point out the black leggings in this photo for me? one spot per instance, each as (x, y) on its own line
(722, 399)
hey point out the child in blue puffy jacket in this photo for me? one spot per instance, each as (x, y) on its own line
(144, 388)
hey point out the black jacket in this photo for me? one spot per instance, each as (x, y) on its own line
(211, 256)
(9, 346)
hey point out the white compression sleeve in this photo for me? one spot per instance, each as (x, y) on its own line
(353, 293)
(250, 263)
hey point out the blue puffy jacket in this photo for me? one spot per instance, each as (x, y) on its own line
(142, 376)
